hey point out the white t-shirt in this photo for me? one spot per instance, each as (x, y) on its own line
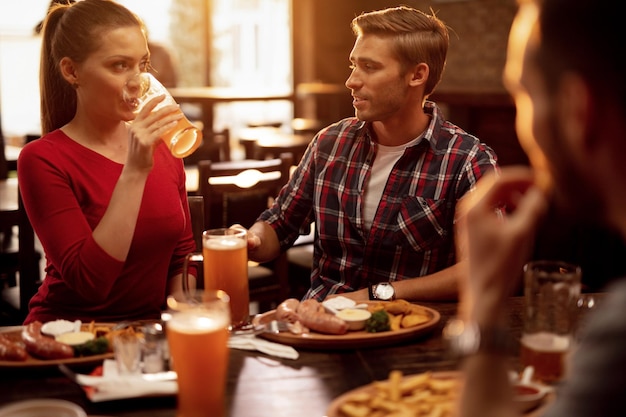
(386, 158)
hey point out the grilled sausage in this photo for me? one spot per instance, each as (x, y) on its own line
(286, 311)
(42, 346)
(11, 351)
(314, 316)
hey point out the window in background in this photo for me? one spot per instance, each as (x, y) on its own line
(250, 45)
(156, 16)
(19, 67)
(251, 48)
(19, 58)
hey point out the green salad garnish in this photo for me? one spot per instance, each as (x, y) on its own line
(379, 322)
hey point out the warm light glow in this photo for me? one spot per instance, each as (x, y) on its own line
(246, 179)
(523, 30)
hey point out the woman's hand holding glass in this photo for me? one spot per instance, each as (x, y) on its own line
(144, 94)
(148, 128)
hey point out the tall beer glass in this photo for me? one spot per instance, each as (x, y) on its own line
(225, 259)
(197, 333)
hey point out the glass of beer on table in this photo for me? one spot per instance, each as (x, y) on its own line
(184, 138)
(225, 259)
(196, 325)
(551, 290)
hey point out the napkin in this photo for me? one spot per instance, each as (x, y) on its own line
(112, 386)
(251, 342)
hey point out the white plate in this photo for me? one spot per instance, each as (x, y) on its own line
(350, 340)
(43, 407)
(14, 333)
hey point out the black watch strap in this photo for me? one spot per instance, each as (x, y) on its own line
(370, 292)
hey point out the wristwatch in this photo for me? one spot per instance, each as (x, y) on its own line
(467, 339)
(383, 291)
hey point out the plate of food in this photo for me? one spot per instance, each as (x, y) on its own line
(425, 394)
(313, 326)
(50, 344)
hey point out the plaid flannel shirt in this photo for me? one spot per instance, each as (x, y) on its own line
(412, 232)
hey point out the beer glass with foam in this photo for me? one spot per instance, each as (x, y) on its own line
(551, 290)
(197, 333)
(225, 259)
(184, 138)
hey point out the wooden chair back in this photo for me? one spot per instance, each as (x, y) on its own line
(237, 192)
(196, 208)
(25, 262)
(215, 146)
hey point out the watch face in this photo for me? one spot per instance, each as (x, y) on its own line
(384, 291)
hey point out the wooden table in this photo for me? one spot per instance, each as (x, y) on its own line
(328, 102)
(207, 97)
(273, 146)
(258, 385)
(262, 386)
(270, 142)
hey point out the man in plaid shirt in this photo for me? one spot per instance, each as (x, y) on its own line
(382, 187)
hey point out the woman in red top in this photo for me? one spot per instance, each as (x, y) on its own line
(105, 197)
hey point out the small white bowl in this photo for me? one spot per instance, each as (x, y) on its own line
(42, 407)
(59, 327)
(336, 304)
(75, 338)
(528, 395)
(355, 317)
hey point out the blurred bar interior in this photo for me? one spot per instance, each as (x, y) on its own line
(296, 51)
(283, 45)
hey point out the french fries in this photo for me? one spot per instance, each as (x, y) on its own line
(110, 334)
(421, 395)
(402, 314)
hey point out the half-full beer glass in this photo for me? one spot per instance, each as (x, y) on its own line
(184, 138)
(551, 291)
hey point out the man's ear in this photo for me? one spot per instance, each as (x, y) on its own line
(575, 111)
(419, 74)
(69, 71)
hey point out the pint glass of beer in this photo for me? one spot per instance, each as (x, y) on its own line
(225, 253)
(196, 325)
(551, 290)
(184, 138)
(225, 259)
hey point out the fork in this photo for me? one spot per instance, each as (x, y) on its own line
(273, 326)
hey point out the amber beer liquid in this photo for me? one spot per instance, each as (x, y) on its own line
(183, 139)
(551, 289)
(226, 268)
(547, 353)
(198, 346)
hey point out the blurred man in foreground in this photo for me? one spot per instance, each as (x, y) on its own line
(567, 76)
